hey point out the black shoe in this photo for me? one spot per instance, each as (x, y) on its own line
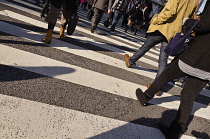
(143, 98)
(126, 28)
(92, 29)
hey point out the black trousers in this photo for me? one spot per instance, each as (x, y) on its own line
(191, 89)
(97, 17)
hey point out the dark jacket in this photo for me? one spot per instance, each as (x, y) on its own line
(103, 4)
(136, 14)
(121, 5)
(71, 5)
(197, 54)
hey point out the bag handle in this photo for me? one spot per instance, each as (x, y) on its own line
(191, 29)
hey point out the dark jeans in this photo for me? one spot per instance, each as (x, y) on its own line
(191, 89)
(150, 42)
(97, 17)
(116, 18)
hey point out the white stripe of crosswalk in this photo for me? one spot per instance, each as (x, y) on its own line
(30, 119)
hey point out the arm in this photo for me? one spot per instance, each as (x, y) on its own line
(110, 4)
(94, 2)
(47, 2)
(168, 11)
(45, 8)
(204, 25)
(113, 6)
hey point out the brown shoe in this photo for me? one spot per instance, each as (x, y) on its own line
(126, 58)
(48, 37)
(62, 36)
(158, 93)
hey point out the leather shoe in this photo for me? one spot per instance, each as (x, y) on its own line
(143, 98)
(126, 58)
(93, 28)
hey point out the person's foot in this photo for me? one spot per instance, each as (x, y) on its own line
(112, 32)
(126, 58)
(142, 97)
(178, 83)
(92, 30)
(158, 93)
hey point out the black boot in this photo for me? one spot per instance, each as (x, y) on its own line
(126, 28)
(93, 28)
(142, 97)
(172, 132)
(136, 30)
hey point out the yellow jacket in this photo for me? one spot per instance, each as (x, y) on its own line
(169, 20)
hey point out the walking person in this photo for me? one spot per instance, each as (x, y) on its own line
(69, 8)
(100, 6)
(162, 29)
(133, 14)
(119, 8)
(139, 21)
(126, 15)
(194, 63)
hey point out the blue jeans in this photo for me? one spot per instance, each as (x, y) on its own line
(116, 18)
(148, 44)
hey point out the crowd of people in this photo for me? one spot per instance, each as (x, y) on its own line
(135, 14)
(163, 19)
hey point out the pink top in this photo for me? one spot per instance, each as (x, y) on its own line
(82, 1)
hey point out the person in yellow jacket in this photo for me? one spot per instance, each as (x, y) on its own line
(163, 28)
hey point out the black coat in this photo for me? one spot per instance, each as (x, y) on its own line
(70, 5)
(197, 54)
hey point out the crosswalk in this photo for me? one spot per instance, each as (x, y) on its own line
(79, 87)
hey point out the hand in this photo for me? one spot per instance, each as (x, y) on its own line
(193, 34)
(44, 11)
(109, 12)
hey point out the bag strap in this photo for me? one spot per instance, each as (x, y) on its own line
(194, 24)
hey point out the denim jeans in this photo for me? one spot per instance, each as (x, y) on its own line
(116, 18)
(148, 44)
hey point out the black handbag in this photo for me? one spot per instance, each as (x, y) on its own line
(90, 14)
(72, 23)
(180, 41)
(106, 22)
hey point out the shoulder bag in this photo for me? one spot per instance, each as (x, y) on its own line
(180, 41)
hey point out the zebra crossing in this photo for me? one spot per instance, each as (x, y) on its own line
(80, 88)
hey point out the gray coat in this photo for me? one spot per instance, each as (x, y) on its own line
(103, 4)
